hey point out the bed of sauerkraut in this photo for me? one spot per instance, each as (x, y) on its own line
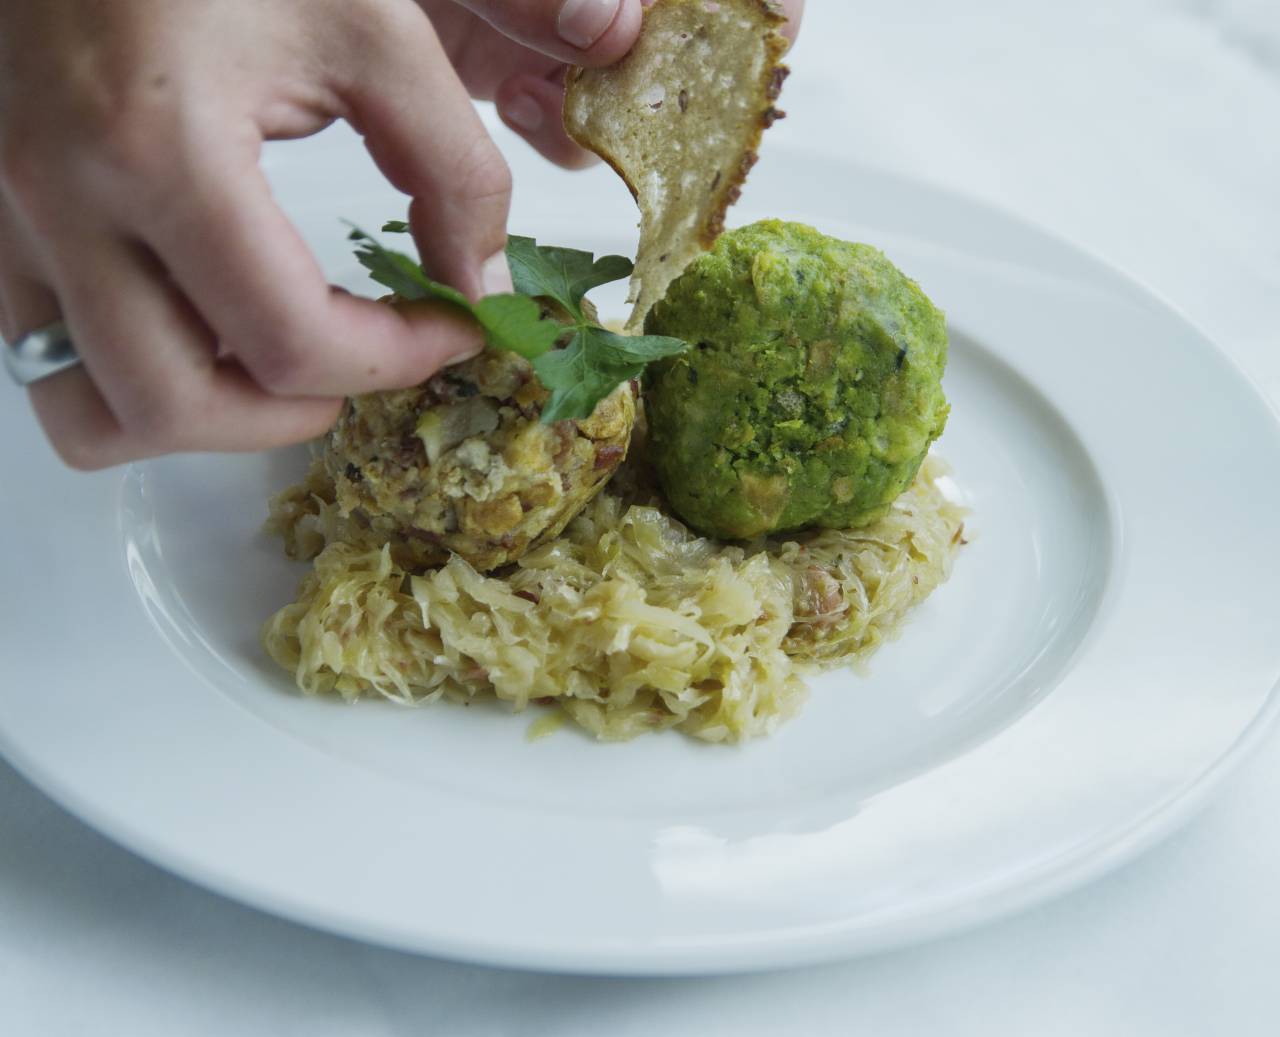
(627, 622)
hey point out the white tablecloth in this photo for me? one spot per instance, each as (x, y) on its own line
(1145, 130)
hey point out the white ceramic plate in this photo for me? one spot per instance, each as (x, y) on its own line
(1105, 648)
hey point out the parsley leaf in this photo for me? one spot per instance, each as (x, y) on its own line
(562, 274)
(592, 365)
(401, 274)
(595, 361)
(511, 322)
(515, 323)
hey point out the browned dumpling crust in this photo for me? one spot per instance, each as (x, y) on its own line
(463, 464)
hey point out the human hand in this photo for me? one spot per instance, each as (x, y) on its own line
(132, 206)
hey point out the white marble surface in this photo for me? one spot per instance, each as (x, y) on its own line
(1145, 130)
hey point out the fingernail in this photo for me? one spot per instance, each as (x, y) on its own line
(470, 353)
(582, 22)
(495, 275)
(525, 112)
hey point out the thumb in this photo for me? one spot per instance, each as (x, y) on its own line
(578, 32)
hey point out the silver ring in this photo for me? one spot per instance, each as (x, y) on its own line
(40, 353)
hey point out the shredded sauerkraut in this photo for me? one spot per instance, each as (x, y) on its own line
(628, 622)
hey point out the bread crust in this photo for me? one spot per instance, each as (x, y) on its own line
(587, 89)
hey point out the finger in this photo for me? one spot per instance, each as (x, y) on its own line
(794, 10)
(154, 363)
(79, 424)
(255, 283)
(423, 131)
(76, 419)
(533, 107)
(483, 57)
(25, 303)
(577, 32)
(22, 295)
(73, 414)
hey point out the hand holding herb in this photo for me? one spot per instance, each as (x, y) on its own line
(593, 362)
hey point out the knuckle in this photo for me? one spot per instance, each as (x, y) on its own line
(129, 142)
(123, 155)
(160, 421)
(400, 24)
(282, 364)
(376, 29)
(484, 173)
(24, 169)
(136, 147)
(102, 112)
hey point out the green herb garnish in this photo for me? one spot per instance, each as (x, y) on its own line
(511, 322)
(594, 361)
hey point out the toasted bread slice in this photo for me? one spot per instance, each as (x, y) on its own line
(680, 119)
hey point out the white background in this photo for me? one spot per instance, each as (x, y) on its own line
(1145, 130)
